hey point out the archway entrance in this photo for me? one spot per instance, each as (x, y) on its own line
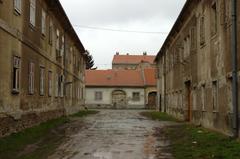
(152, 100)
(119, 99)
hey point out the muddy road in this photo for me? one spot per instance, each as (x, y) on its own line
(115, 134)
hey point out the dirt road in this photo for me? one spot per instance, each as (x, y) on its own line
(115, 134)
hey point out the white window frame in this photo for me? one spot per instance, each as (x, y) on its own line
(18, 6)
(16, 74)
(42, 81)
(31, 78)
(44, 17)
(32, 12)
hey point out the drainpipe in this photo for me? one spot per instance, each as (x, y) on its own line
(235, 70)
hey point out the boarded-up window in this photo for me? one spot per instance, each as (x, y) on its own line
(16, 74)
(98, 96)
(31, 77)
(33, 12)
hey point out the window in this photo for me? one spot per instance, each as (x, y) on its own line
(33, 12)
(56, 85)
(16, 75)
(49, 83)
(215, 95)
(50, 32)
(214, 18)
(31, 78)
(63, 47)
(136, 96)
(43, 22)
(18, 6)
(202, 30)
(60, 85)
(98, 96)
(57, 41)
(42, 80)
(193, 38)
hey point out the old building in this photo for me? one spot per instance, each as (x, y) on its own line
(42, 64)
(194, 65)
(133, 62)
(120, 89)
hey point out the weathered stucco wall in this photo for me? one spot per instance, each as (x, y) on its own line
(195, 66)
(106, 101)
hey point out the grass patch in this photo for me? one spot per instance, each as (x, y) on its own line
(154, 115)
(190, 142)
(85, 113)
(37, 142)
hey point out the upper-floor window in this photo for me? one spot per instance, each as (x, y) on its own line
(18, 6)
(33, 12)
(202, 30)
(50, 32)
(57, 40)
(31, 77)
(136, 96)
(214, 18)
(44, 15)
(16, 75)
(98, 96)
(42, 80)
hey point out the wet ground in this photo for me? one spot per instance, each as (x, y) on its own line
(115, 134)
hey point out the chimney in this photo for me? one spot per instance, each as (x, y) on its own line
(145, 53)
(117, 53)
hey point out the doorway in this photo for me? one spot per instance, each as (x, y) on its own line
(119, 99)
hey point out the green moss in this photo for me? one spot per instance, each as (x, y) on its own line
(37, 142)
(154, 115)
(190, 142)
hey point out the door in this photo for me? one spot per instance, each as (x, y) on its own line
(152, 100)
(119, 99)
(188, 101)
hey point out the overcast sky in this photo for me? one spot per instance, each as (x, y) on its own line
(132, 15)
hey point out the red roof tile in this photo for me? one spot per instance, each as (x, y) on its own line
(150, 77)
(132, 59)
(114, 78)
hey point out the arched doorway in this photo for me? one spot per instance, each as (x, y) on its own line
(152, 100)
(119, 99)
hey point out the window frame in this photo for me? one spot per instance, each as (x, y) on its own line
(98, 96)
(31, 78)
(43, 22)
(50, 83)
(18, 6)
(32, 13)
(42, 81)
(136, 96)
(16, 74)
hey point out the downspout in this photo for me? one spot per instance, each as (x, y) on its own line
(235, 70)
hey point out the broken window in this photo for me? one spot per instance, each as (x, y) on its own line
(16, 74)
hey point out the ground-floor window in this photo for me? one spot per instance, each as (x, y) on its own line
(42, 80)
(98, 96)
(16, 75)
(31, 78)
(136, 96)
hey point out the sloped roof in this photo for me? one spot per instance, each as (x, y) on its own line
(114, 78)
(120, 78)
(150, 77)
(132, 59)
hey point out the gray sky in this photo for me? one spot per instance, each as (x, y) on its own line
(133, 15)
